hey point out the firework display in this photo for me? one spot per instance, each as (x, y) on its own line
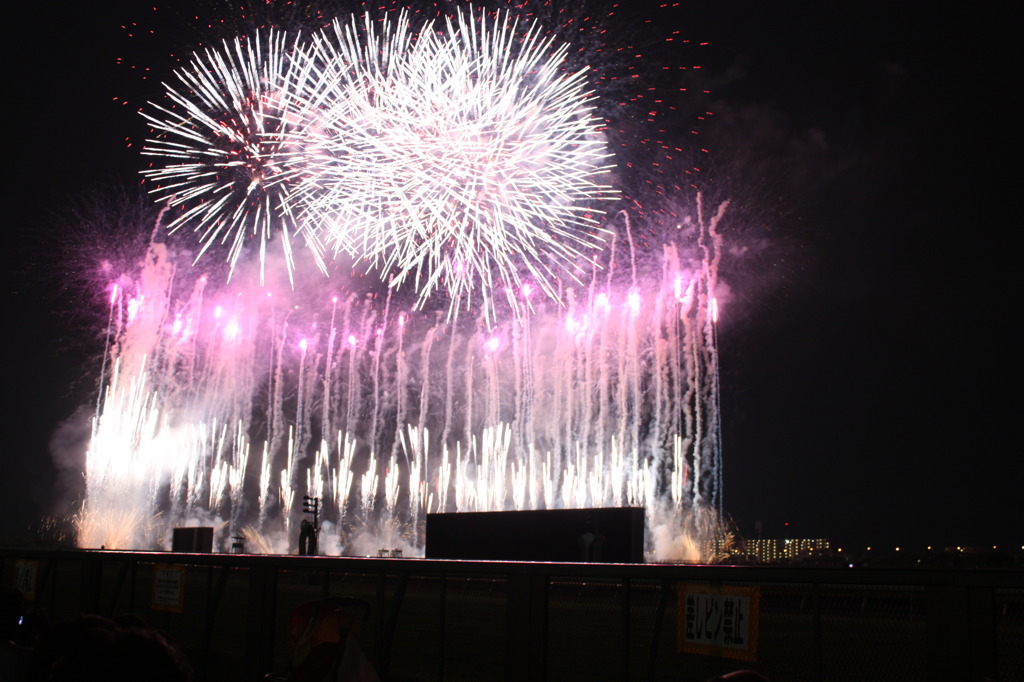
(469, 158)
(523, 350)
(456, 159)
(223, 147)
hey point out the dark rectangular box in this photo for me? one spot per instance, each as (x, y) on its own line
(614, 535)
(192, 540)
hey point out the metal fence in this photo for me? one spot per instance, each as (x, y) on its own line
(467, 620)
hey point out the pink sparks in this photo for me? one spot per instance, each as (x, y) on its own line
(527, 290)
(231, 331)
(114, 291)
(217, 312)
(685, 296)
(352, 341)
(177, 325)
(714, 310)
(303, 344)
(133, 309)
(603, 301)
(634, 303)
(492, 344)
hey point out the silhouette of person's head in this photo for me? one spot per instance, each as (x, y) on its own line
(91, 649)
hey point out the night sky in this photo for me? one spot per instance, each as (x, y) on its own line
(867, 374)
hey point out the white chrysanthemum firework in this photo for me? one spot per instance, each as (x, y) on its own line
(222, 145)
(458, 159)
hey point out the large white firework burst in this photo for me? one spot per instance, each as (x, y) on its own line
(459, 159)
(456, 158)
(222, 141)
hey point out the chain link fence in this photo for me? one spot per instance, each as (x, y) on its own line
(462, 620)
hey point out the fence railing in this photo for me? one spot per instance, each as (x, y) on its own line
(470, 620)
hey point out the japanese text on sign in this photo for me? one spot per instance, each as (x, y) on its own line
(168, 588)
(25, 573)
(719, 621)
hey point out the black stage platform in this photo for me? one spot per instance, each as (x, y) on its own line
(614, 535)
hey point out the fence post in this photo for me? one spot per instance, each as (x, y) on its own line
(526, 628)
(627, 635)
(961, 633)
(90, 585)
(441, 626)
(259, 640)
(818, 658)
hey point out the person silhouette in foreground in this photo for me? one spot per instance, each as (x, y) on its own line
(92, 648)
(323, 644)
(14, 656)
(740, 676)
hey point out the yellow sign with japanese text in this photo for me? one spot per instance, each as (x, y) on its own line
(168, 588)
(718, 620)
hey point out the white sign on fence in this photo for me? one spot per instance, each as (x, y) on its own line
(25, 576)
